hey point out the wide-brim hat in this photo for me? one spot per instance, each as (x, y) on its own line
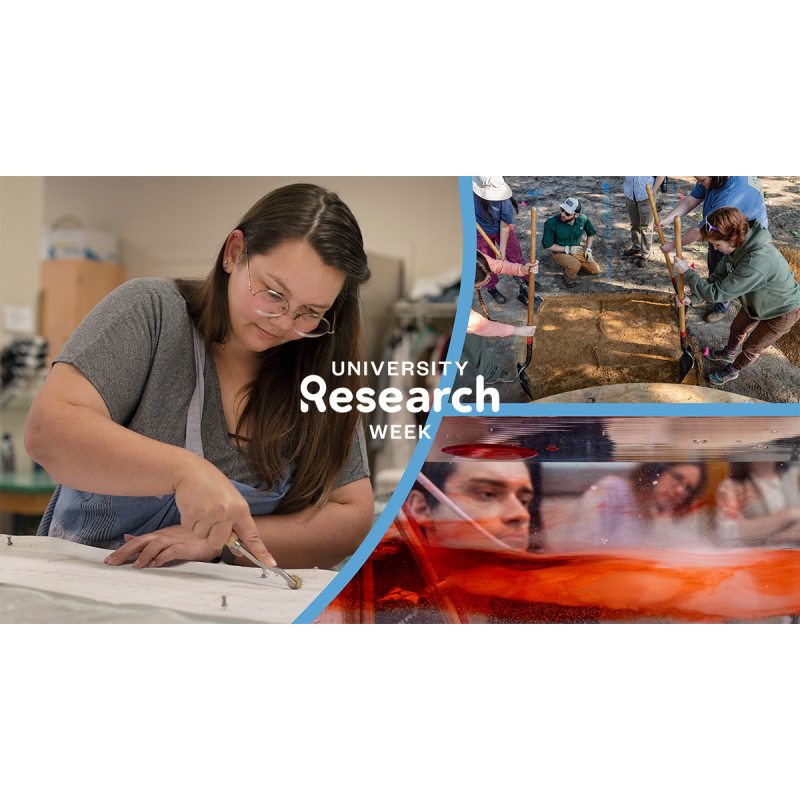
(491, 187)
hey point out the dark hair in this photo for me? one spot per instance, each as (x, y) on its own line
(482, 271)
(438, 473)
(718, 182)
(732, 226)
(314, 445)
(644, 476)
(743, 470)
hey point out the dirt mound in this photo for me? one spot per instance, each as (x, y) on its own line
(792, 255)
(789, 344)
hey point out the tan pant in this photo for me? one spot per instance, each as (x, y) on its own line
(573, 264)
(641, 226)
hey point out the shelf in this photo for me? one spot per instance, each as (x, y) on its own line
(424, 310)
(19, 395)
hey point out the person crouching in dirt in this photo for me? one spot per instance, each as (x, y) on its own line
(563, 235)
(754, 271)
(478, 326)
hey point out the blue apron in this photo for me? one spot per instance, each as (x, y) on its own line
(102, 520)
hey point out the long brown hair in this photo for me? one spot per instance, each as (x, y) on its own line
(644, 476)
(718, 181)
(482, 271)
(315, 444)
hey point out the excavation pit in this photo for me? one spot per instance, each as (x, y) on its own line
(609, 338)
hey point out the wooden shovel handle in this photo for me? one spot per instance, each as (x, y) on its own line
(661, 237)
(488, 241)
(679, 254)
(531, 276)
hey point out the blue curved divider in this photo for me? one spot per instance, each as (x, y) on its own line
(321, 602)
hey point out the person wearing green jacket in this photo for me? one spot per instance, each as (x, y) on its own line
(563, 236)
(754, 271)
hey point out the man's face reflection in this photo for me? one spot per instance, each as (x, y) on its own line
(496, 495)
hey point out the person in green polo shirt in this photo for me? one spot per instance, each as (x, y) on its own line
(753, 270)
(563, 236)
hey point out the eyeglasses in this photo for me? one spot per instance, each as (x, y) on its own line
(566, 213)
(709, 227)
(274, 304)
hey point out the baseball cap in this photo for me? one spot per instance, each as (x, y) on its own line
(571, 205)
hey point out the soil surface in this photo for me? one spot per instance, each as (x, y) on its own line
(774, 377)
(598, 339)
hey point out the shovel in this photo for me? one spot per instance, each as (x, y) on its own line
(686, 364)
(661, 237)
(523, 375)
(523, 378)
(496, 252)
(492, 245)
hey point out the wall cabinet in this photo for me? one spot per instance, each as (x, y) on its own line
(70, 290)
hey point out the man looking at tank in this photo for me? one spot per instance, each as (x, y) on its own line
(498, 496)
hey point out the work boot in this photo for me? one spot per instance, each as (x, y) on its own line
(722, 354)
(631, 251)
(716, 316)
(523, 297)
(641, 261)
(729, 373)
(570, 283)
(498, 295)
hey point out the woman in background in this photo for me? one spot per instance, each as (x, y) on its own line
(759, 505)
(652, 506)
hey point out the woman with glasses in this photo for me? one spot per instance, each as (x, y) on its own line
(172, 417)
(652, 506)
(752, 269)
(739, 191)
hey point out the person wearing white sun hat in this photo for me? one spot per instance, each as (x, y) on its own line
(495, 211)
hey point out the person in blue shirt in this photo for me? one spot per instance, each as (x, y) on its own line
(495, 211)
(635, 190)
(743, 192)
